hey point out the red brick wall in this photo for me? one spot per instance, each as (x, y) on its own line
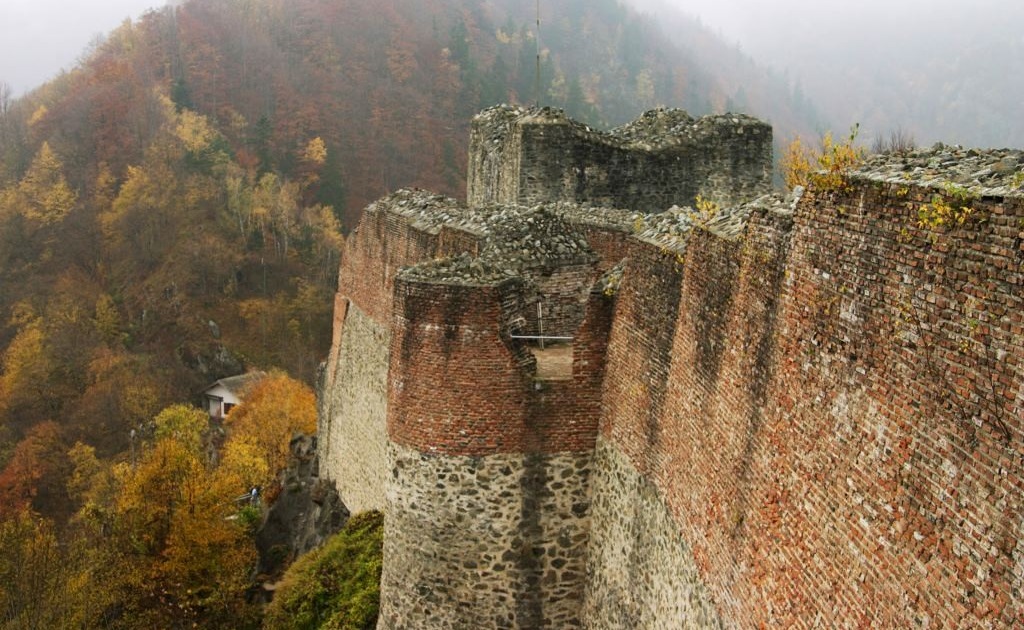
(458, 385)
(609, 244)
(833, 411)
(383, 244)
(640, 351)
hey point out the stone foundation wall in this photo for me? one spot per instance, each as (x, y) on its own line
(353, 412)
(485, 542)
(562, 294)
(353, 399)
(488, 487)
(641, 573)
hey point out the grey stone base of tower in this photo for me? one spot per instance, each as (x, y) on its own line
(641, 572)
(485, 542)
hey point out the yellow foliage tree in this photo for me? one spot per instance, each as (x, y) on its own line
(263, 425)
(184, 425)
(796, 164)
(44, 193)
(246, 461)
(106, 319)
(316, 152)
(42, 583)
(189, 556)
(26, 369)
(827, 169)
(194, 131)
(199, 138)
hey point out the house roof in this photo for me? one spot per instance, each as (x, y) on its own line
(238, 383)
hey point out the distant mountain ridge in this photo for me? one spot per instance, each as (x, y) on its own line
(388, 85)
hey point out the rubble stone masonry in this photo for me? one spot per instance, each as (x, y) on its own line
(664, 158)
(353, 395)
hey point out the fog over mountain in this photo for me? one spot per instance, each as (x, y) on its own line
(39, 38)
(946, 70)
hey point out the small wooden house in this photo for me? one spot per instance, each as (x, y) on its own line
(227, 392)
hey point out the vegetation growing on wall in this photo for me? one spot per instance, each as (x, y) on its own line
(826, 168)
(947, 211)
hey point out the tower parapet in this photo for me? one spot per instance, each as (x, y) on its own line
(664, 158)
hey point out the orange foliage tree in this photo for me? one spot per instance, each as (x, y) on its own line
(262, 426)
(181, 549)
(34, 474)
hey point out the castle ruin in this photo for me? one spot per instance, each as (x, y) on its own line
(583, 403)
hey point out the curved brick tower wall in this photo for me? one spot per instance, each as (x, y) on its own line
(665, 158)
(820, 419)
(488, 494)
(353, 401)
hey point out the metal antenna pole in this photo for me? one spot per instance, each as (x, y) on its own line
(537, 41)
(540, 324)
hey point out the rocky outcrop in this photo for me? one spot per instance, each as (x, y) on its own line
(307, 511)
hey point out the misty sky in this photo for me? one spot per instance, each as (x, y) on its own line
(965, 54)
(39, 38)
(756, 24)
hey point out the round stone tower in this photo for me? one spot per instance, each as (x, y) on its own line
(489, 451)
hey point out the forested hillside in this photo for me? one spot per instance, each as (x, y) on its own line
(172, 210)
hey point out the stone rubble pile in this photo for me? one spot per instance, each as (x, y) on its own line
(427, 211)
(671, 229)
(599, 216)
(531, 237)
(655, 129)
(499, 120)
(653, 124)
(997, 172)
(515, 240)
(660, 128)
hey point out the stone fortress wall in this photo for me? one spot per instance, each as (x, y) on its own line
(664, 158)
(794, 412)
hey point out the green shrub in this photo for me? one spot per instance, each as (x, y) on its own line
(336, 586)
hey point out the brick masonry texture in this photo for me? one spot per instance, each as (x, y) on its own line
(834, 418)
(485, 542)
(788, 414)
(460, 385)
